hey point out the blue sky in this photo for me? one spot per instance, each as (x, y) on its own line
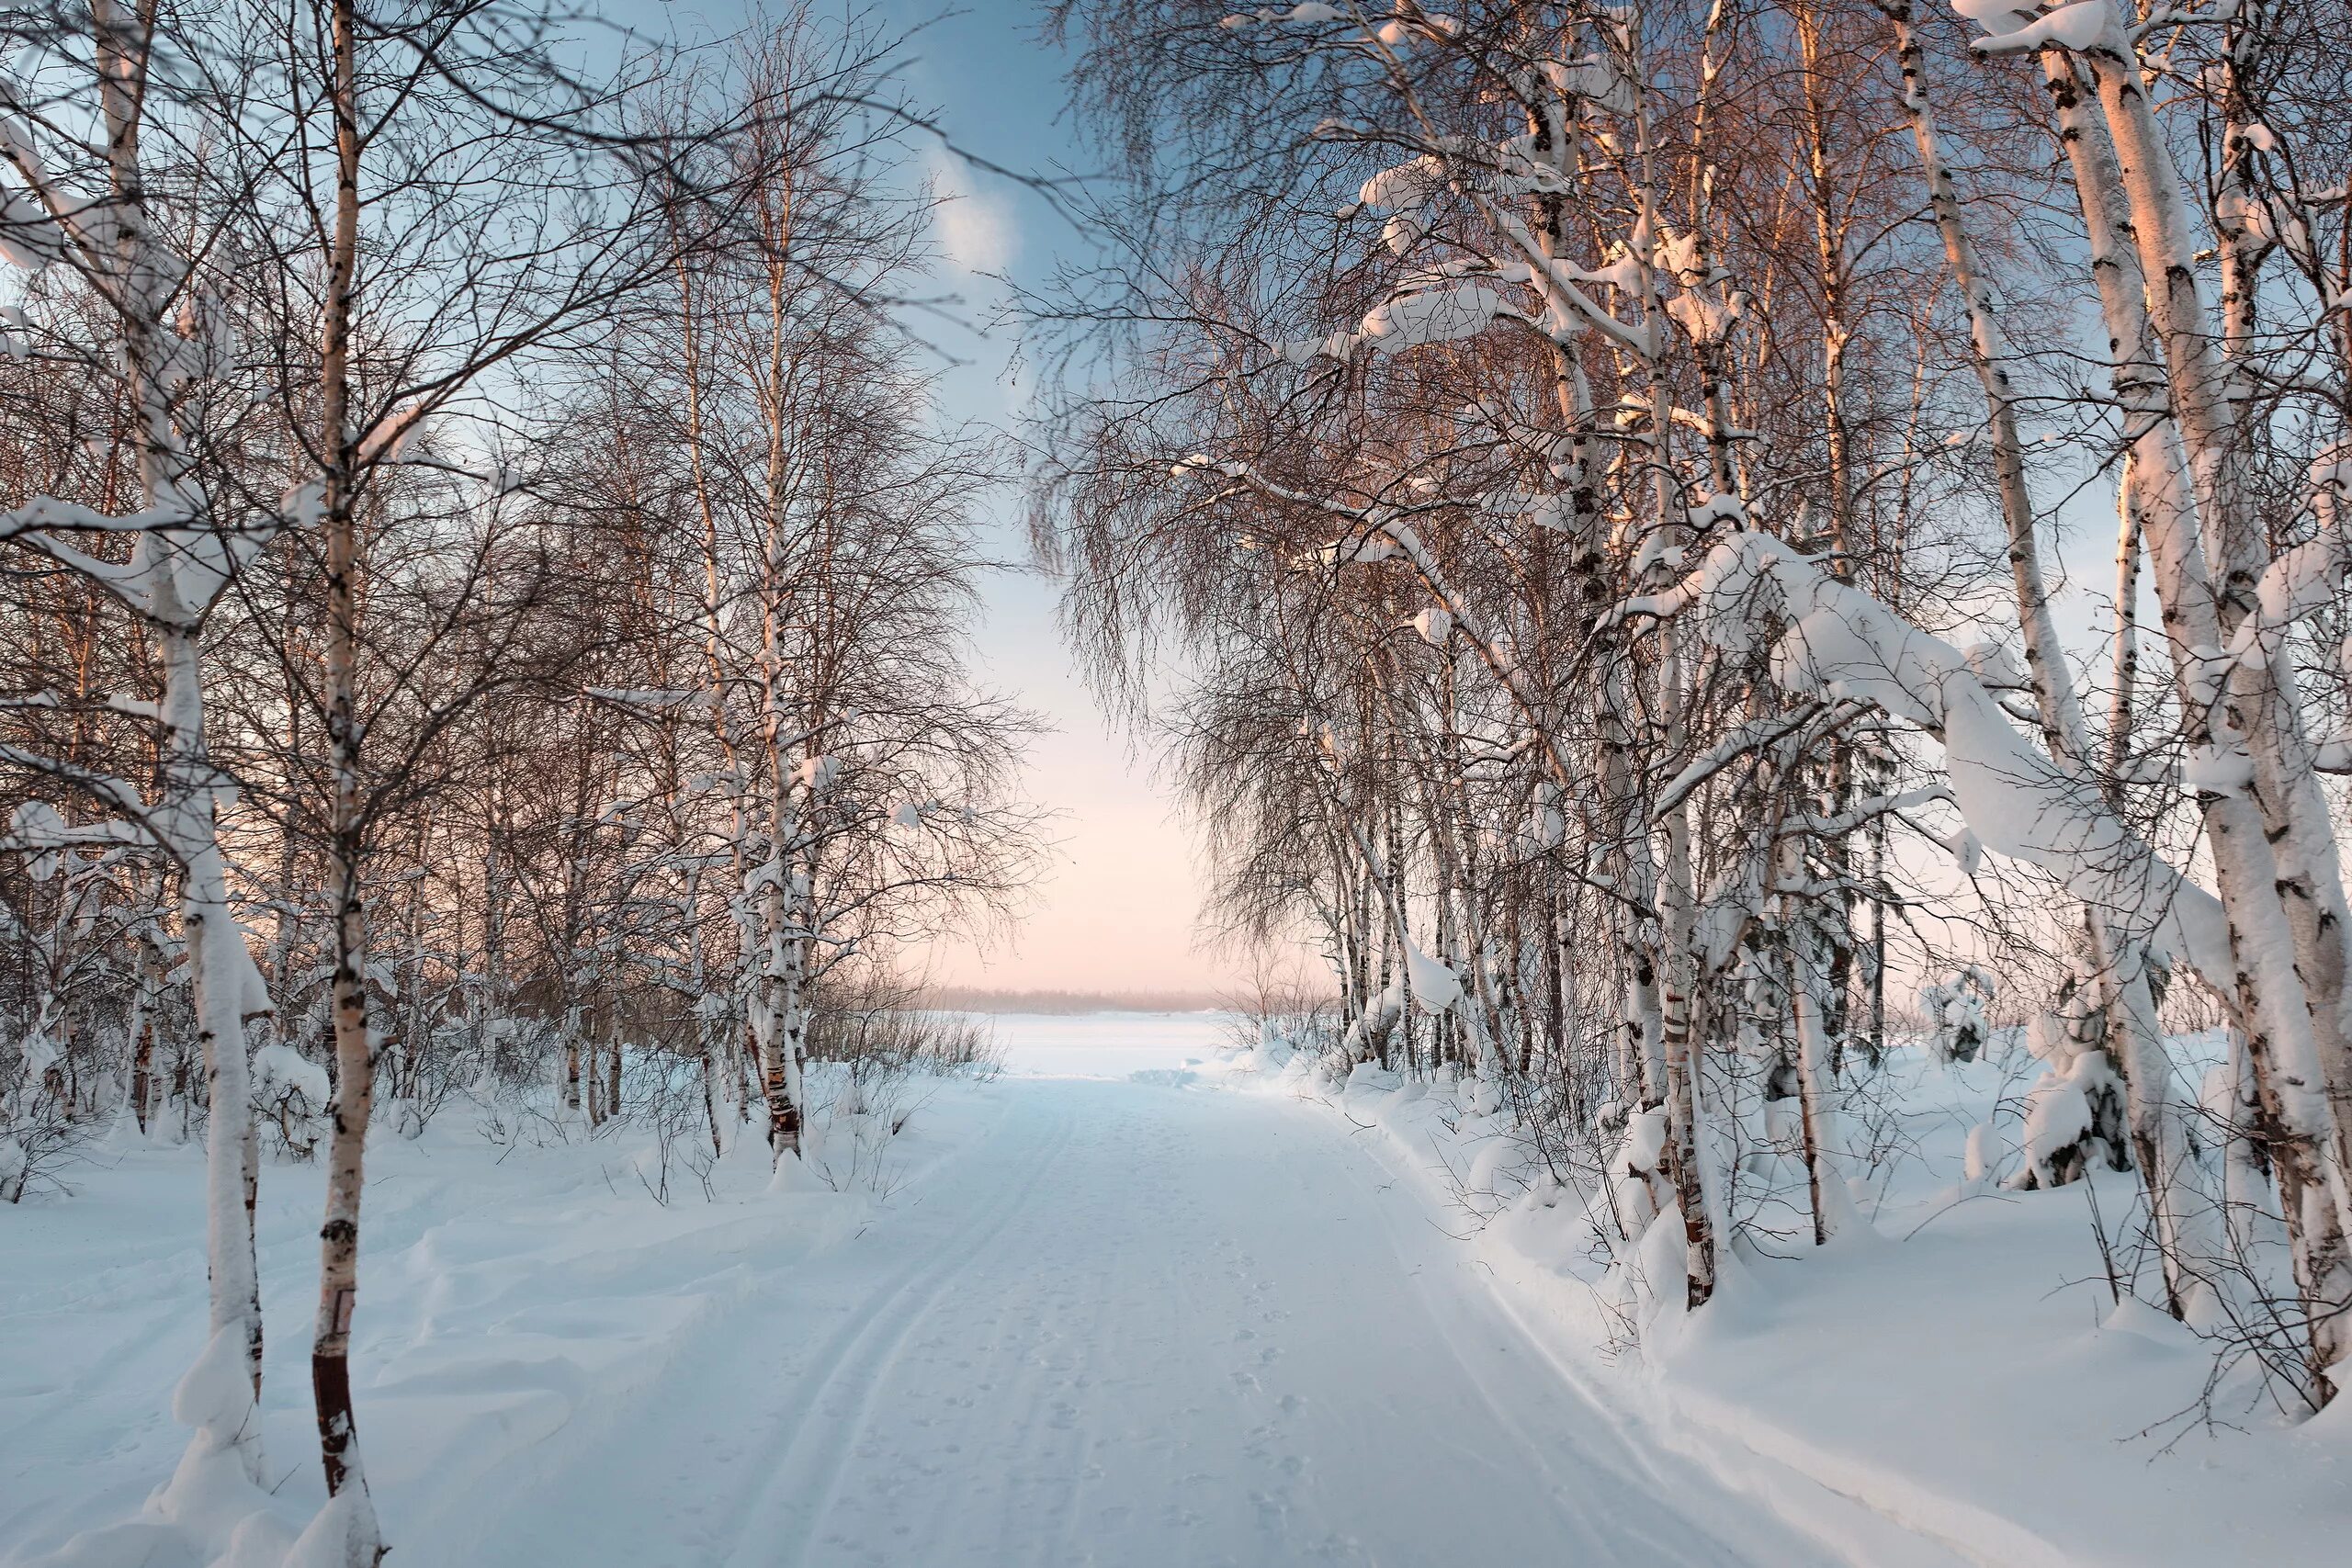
(1117, 911)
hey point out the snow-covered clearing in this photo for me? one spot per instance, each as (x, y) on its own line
(1108, 1312)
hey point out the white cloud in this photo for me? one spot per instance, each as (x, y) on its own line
(976, 228)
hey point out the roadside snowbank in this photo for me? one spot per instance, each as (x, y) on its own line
(514, 1297)
(1956, 1363)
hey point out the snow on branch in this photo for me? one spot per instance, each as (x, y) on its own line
(2309, 576)
(1841, 644)
(48, 512)
(2083, 26)
(1749, 735)
(1862, 812)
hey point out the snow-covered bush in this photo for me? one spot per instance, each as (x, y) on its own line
(1275, 1016)
(2074, 1111)
(37, 1126)
(290, 1095)
(1958, 1014)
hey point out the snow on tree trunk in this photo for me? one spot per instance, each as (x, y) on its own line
(2285, 903)
(223, 981)
(183, 559)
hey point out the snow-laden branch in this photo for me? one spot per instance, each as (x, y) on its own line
(1841, 644)
(1824, 824)
(1422, 311)
(181, 563)
(1744, 738)
(2309, 576)
(2084, 25)
(48, 512)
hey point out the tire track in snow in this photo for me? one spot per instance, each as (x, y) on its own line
(1129, 1327)
(857, 1358)
(724, 1398)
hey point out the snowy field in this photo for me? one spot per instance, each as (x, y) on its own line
(1108, 1045)
(1128, 1303)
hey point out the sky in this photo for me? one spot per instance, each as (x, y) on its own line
(1117, 912)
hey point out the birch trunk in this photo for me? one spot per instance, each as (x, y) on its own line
(218, 979)
(2194, 517)
(2133, 1041)
(350, 1518)
(222, 1405)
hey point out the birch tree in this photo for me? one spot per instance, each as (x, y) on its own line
(1491, 320)
(88, 129)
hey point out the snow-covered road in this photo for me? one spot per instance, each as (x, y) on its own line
(1131, 1323)
(1117, 1307)
(1122, 1317)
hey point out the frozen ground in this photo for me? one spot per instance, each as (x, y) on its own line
(1107, 1314)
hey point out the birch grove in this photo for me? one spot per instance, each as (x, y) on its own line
(1698, 564)
(1624, 479)
(487, 614)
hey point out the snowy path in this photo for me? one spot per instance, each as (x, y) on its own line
(1130, 1325)
(1130, 1318)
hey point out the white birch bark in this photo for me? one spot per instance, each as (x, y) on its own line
(345, 1530)
(185, 558)
(2281, 903)
(2133, 1040)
